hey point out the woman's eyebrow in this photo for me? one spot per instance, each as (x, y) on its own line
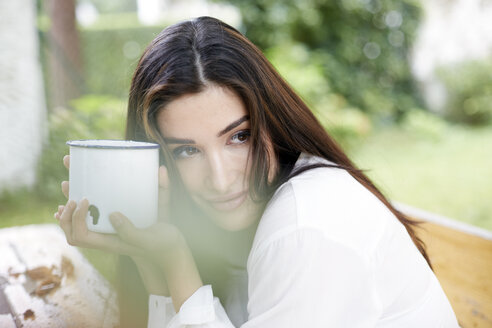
(171, 140)
(233, 125)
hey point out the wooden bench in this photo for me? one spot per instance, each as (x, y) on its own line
(44, 282)
(462, 259)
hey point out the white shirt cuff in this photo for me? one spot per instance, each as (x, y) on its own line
(161, 311)
(198, 309)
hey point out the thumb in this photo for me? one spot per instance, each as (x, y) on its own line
(126, 230)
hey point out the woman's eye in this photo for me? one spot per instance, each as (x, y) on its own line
(241, 137)
(185, 152)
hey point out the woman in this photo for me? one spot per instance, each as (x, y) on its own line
(263, 205)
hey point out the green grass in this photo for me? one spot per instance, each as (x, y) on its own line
(448, 171)
(24, 208)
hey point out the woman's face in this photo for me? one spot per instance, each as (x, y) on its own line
(208, 134)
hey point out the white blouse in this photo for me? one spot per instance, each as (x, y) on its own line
(326, 253)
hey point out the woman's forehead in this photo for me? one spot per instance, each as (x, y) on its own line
(211, 109)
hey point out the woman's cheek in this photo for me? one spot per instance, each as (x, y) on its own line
(240, 159)
(191, 174)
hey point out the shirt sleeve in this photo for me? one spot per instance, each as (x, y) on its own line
(201, 309)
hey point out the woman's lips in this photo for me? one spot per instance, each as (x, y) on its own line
(228, 202)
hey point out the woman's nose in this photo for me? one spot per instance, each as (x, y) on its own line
(220, 176)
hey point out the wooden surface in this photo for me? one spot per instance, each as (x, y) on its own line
(44, 282)
(463, 264)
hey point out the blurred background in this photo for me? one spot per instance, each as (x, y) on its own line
(404, 85)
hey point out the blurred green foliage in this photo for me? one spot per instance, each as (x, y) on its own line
(111, 48)
(304, 72)
(360, 45)
(469, 91)
(90, 117)
(424, 124)
(111, 55)
(113, 6)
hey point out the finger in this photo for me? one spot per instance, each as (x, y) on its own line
(66, 220)
(72, 221)
(58, 213)
(127, 231)
(163, 177)
(65, 185)
(66, 161)
(79, 226)
(81, 236)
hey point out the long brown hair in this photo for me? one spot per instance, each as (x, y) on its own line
(186, 57)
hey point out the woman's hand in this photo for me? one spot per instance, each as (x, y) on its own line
(159, 248)
(128, 240)
(72, 221)
(152, 242)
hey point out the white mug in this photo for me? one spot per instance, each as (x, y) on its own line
(115, 176)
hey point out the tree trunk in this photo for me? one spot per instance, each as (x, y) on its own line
(65, 63)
